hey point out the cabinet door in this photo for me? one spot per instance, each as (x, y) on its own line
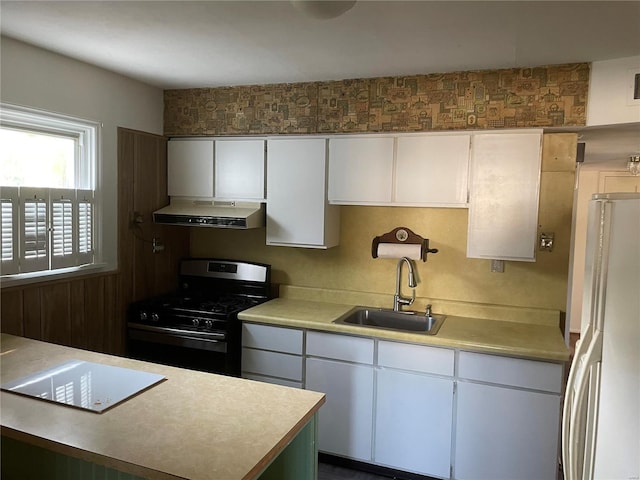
(190, 168)
(506, 434)
(360, 170)
(239, 169)
(345, 420)
(414, 415)
(504, 188)
(297, 210)
(432, 170)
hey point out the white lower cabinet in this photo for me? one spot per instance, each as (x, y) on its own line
(414, 413)
(345, 420)
(414, 408)
(507, 432)
(272, 354)
(410, 408)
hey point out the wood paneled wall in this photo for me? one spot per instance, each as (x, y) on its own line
(142, 189)
(89, 312)
(81, 312)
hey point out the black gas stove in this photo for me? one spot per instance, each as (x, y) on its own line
(197, 326)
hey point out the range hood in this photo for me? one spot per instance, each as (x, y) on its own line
(209, 213)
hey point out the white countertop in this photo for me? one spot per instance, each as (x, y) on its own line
(194, 425)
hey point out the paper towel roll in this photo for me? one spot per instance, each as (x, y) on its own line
(399, 250)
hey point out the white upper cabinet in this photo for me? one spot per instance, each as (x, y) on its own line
(190, 168)
(504, 190)
(228, 169)
(405, 170)
(239, 169)
(298, 214)
(360, 169)
(432, 170)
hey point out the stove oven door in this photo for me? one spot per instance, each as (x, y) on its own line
(213, 352)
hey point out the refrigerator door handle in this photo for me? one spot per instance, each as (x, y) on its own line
(592, 356)
(569, 396)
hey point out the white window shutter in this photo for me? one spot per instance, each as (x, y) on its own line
(84, 222)
(9, 230)
(63, 205)
(34, 239)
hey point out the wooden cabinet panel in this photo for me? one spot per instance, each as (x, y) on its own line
(31, 313)
(94, 313)
(115, 312)
(11, 308)
(143, 176)
(125, 210)
(56, 313)
(79, 335)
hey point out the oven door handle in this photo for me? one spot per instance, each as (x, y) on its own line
(203, 336)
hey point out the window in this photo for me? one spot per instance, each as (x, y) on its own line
(48, 166)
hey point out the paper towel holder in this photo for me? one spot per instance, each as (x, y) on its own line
(403, 236)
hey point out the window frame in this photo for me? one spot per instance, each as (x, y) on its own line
(86, 191)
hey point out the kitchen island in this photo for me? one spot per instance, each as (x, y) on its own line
(193, 425)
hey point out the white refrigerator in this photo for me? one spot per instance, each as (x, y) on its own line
(601, 417)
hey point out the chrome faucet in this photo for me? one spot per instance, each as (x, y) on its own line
(398, 299)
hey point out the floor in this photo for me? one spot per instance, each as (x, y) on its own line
(333, 472)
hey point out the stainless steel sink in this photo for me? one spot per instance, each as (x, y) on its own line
(391, 320)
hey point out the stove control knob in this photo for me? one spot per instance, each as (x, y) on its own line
(195, 322)
(209, 323)
(155, 317)
(144, 316)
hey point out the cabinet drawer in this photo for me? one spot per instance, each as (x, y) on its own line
(275, 381)
(416, 357)
(516, 372)
(340, 347)
(278, 339)
(274, 364)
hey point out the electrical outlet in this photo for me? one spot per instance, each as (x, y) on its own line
(546, 242)
(497, 266)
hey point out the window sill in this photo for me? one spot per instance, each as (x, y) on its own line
(17, 280)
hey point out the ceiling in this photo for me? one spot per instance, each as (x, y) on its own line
(189, 44)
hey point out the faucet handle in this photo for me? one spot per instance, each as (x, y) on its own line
(427, 311)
